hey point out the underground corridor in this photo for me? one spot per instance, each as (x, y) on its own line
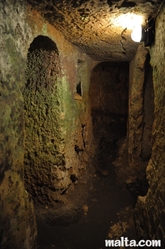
(82, 119)
(101, 205)
(106, 207)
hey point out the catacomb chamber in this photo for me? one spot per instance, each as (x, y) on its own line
(47, 170)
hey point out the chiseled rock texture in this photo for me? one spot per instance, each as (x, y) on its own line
(17, 221)
(46, 141)
(46, 129)
(150, 209)
(109, 88)
(58, 131)
(140, 108)
(93, 25)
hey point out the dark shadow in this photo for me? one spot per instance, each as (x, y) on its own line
(109, 106)
(148, 110)
(44, 43)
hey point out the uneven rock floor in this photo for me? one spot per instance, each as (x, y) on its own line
(106, 212)
(109, 214)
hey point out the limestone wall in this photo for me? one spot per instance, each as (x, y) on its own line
(140, 118)
(150, 209)
(17, 221)
(109, 88)
(58, 130)
(45, 123)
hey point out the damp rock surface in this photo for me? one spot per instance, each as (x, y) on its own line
(93, 25)
(150, 208)
(44, 154)
(17, 220)
(105, 213)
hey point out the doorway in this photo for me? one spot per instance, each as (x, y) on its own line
(109, 109)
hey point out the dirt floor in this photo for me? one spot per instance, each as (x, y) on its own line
(106, 209)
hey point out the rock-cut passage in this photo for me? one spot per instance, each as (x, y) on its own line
(105, 211)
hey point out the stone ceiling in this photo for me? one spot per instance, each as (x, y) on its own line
(95, 26)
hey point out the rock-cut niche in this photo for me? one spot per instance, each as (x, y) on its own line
(42, 135)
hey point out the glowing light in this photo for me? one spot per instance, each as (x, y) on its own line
(136, 34)
(128, 20)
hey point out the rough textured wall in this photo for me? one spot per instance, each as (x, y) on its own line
(58, 123)
(98, 27)
(17, 222)
(148, 113)
(150, 209)
(66, 144)
(55, 134)
(109, 88)
(43, 135)
(140, 110)
(109, 106)
(79, 147)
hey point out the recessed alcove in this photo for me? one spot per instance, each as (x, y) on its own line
(42, 127)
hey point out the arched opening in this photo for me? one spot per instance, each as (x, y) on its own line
(42, 128)
(109, 109)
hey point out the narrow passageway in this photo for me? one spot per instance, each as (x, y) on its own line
(106, 208)
(106, 211)
(82, 117)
